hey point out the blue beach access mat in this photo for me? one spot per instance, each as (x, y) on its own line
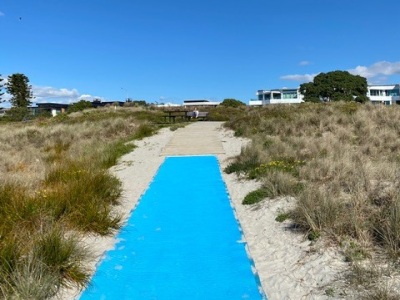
(182, 241)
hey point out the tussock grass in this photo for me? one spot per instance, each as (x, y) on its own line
(55, 175)
(347, 180)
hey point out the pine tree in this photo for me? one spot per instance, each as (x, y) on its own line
(19, 89)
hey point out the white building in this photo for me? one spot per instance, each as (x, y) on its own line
(168, 104)
(384, 94)
(277, 96)
(200, 102)
(378, 94)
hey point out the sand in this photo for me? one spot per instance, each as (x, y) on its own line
(288, 265)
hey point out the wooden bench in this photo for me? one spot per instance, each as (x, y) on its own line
(171, 115)
(202, 115)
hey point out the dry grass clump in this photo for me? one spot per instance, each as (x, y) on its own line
(348, 175)
(55, 181)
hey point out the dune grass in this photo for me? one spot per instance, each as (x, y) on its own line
(55, 187)
(340, 160)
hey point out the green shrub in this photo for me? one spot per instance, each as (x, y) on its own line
(313, 236)
(283, 164)
(354, 252)
(256, 196)
(144, 130)
(32, 280)
(83, 197)
(9, 256)
(248, 160)
(282, 217)
(63, 255)
(239, 132)
(115, 150)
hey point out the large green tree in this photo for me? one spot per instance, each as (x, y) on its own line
(19, 89)
(335, 86)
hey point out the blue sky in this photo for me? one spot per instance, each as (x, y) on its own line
(170, 50)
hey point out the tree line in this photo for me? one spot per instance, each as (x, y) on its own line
(331, 86)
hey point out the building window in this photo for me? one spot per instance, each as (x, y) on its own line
(276, 96)
(260, 97)
(289, 95)
(374, 92)
(392, 93)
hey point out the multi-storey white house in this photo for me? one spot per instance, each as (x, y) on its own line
(378, 94)
(384, 94)
(277, 96)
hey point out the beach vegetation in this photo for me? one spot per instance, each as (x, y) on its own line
(282, 217)
(330, 292)
(339, 160)
(55, 188)
(256, 196)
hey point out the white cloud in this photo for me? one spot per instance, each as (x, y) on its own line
(54, 95)
(379, 68)
(304, 63)
(47, 92)
(298, 77)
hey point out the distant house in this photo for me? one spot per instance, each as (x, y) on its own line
(53, 108)
(200, 102)
(98, 103)
(168, 104)
(378, 94)
(277, 96)
(384, 94)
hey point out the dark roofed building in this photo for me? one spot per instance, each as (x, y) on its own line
(53, 108)
(98, 103)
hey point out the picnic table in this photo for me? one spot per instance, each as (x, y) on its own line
(171, 115)
(184, 115)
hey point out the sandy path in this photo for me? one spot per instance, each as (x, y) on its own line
(288, 266)
(195, 139)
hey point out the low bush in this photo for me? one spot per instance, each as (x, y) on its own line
(256, 196)
(280, 164)
(144, 130)
(62, 255)
(248, 160)
(31, 280)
